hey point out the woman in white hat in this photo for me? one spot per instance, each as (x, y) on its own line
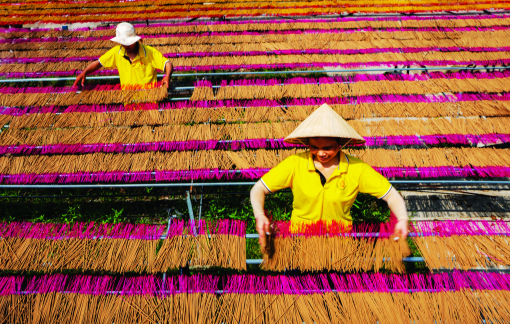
(136, 63)
(324, 180)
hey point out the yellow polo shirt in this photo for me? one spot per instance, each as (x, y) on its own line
(142, 70)
(312, 201)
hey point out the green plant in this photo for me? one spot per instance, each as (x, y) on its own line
(72, 214)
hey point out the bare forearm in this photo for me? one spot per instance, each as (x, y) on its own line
(92, 67)
(258, 198)
(169, 69)
(397, 205)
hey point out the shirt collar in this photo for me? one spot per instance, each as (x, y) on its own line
(342, 166)
(141, 51)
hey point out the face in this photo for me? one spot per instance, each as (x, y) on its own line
(131, 48)
(324, 148)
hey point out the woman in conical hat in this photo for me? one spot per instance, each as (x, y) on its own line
(324, 180)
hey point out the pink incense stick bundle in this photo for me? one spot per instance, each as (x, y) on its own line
(105, 299)
(220, 243)
(458, 297)
(121, 247)
(463, 244)
(65, 96)
(82, 246)
(334, 246)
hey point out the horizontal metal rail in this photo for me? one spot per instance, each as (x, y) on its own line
(247, 183)
(112, 77)
(408, 259)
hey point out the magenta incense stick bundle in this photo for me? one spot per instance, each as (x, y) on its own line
(87, 299)
(458, 297)
(463, 244)
(64, 96)
(334, 246)
(121, 247)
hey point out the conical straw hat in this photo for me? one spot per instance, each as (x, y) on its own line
(324, 122)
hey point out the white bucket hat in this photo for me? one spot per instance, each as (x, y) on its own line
(324, 122)
(125, 34)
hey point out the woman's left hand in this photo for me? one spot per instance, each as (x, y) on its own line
(165, 82)
(401, 229)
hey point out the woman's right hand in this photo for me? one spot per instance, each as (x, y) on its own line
(80, 80)
(262, 226)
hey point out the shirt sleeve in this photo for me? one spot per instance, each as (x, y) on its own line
(280, 176)
(107, 60)
(372, 182)
(158, 60)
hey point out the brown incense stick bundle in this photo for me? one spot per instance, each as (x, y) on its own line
(85, 97)
(47, 255)
(243, 159)
(352, 40)
(120, 248)
(55, 9)
(256, 44)
(464, 252)
(463, 244)
(381, 24)
(250, 11)
(334, 246)
(332, 298)
(369, 88)
(346, 254)
(175, 252)
(458, 126)
(260, 114)
(272, 60)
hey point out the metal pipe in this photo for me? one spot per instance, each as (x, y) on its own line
(408, 259)
(262, 73)
(250, 183)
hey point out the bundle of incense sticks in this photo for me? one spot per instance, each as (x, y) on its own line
(376, 132)
(256, 143)
(463, 244)
(202, 243)
(275, 61)
(362, 32)
(364, 40)
(65, 60)
(332, 245)
(104, 299)
(376, 298)
(208, 163)
(366, 298)
(331, 87)
(204, 10)
(450, 21)
(99, 94)
(108, 7)
(121, 247)
(151, 114)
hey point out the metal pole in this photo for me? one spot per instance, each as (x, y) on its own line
(408, 259)
(250, 183)
(265, 72)
(190, 210)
